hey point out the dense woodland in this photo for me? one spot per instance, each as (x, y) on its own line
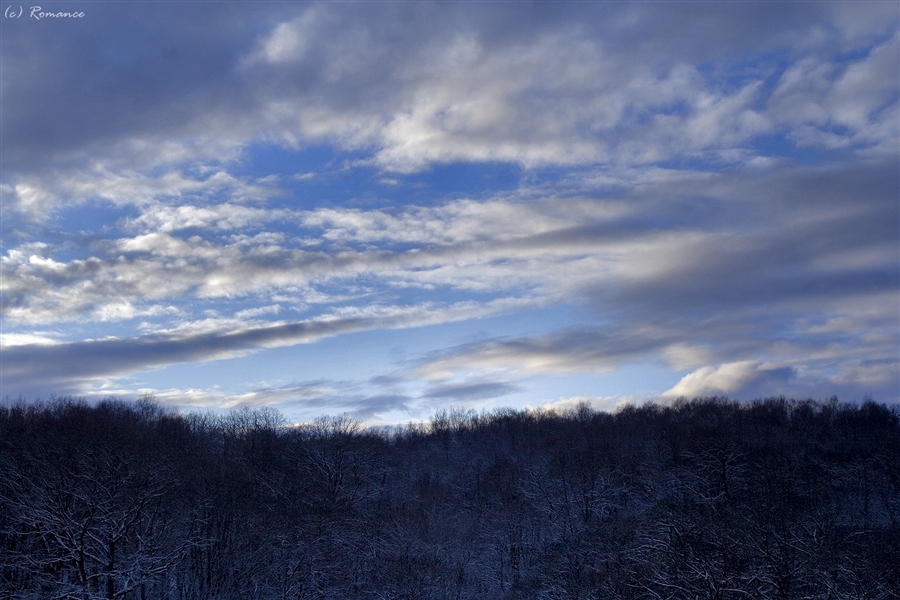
(704, 499)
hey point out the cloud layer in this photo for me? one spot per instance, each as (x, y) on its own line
(713, 188)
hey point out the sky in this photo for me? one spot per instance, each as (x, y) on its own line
(383, 209)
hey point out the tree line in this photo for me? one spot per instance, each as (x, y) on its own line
(706, 498)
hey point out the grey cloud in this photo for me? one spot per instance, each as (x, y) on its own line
(799, 264)
(588, 349)
(68, 366)
(575, 89)
(479, 390)
(364, 72)
(345, 398)
(803, 236)
(369, 406)
(310, 393)
(300, 401)
(853, 380)
(814, 364)
(127, 70)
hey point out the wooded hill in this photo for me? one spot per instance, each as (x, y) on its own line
(704, 499)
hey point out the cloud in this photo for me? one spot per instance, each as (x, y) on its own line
(694, 271)
(566, 94)
(287, 42)
(470, 390)
(40, 195)
(590, 349)
(834, 104)
(490, 83)
(492, 246)
(600, 403)
(732, 379)
(287, 396)
(457, 222)
(380, 403)
(71, 365)
(713, 187)
(302, 401)
(224, 216)
(27, 339)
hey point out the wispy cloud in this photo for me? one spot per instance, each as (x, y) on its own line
(68, 364)
(469, 390)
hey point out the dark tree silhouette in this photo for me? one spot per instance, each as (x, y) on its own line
(706, 498)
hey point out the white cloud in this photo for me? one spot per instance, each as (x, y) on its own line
(563, 98)
(284, 44)
(289, 41)
(685, 355)
(259, 311)
(24, 339)
(122, 310)
(224, 216)
(597, 403)
(457, 222)
(38, 196)
(730, 379)
(833, 105)
(33, 199)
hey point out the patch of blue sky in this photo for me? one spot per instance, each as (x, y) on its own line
(234, 376)
(314, 176)
(444, 182)
(779, 146)
(70, 230)
(82, 230)
(699, 161)
(846, 54)
(732, 74)
(648, 115)
(93, 217)
(548, 181)
(323, 176)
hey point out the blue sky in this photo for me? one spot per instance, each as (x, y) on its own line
(385, 208)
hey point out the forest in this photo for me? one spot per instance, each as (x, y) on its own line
(701, 499)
